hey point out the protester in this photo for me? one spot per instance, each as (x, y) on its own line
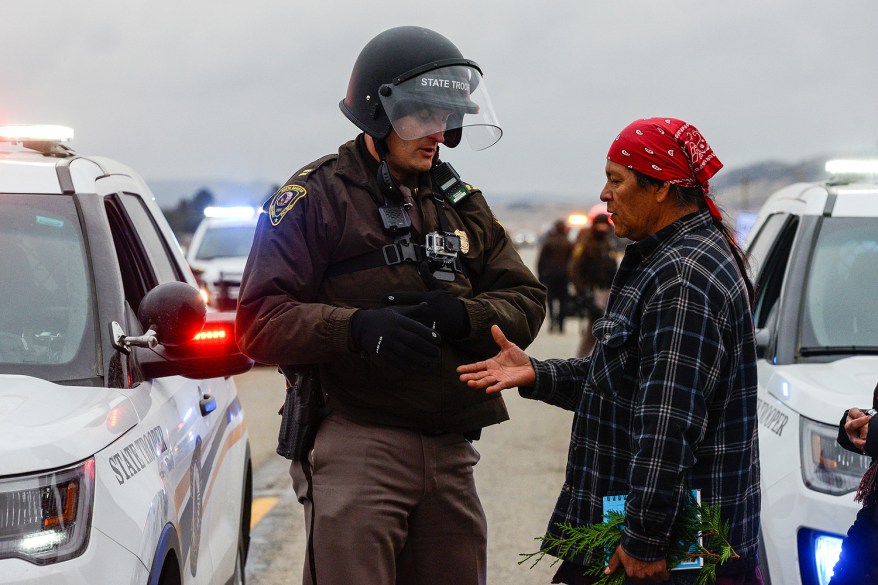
(381, 270)
(591, 272)
(858, 563)
(667, 400)
(552, 272)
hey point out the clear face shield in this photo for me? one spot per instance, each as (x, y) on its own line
(443, 100)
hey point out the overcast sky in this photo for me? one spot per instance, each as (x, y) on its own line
(249, 91)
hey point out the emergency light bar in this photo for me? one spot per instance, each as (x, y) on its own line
(36, 133)
(214, 335)
(852, 167)
(229, 212)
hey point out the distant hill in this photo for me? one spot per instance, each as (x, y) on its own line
(735, 189)
(747, 188)
(169, 193)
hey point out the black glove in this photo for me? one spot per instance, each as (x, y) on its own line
(443, 312)
(396, 335)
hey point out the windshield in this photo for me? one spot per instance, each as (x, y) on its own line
(228, 241)
(45, 295)
(839, 309)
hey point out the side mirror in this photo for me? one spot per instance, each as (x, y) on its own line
(763, 338)
(175, 311)
(764, 334)
(191, 342)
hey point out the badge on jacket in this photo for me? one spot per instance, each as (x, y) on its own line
(283, 201)
(464, 241)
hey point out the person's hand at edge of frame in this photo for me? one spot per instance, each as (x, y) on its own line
(640, 571)
(508, 369)
(856, 427)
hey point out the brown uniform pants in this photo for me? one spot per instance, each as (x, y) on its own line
(391, 507)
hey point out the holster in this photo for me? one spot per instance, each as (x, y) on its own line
(301, 413)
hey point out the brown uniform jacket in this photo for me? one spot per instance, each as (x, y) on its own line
(291, 312)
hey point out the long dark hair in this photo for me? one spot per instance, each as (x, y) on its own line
(689, 196)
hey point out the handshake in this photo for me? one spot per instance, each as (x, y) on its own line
(406, 333)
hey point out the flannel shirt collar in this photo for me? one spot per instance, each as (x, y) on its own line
(649, 245)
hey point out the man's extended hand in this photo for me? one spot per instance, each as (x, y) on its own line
(395, 334)
(639, 571)
(508, 369)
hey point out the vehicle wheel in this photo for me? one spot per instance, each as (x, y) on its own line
(239, 578)
(763, 561)
(244, 532)
(170, 572)
(195, 488)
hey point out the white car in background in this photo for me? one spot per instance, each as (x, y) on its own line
(124, 454)
(218, 252)
(814, 254)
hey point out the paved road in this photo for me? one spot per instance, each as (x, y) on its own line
(518, 477)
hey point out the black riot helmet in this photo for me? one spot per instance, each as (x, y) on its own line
(415, 81)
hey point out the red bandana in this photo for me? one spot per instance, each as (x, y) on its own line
(670, 150)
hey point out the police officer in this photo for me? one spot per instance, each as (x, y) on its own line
(384, 271)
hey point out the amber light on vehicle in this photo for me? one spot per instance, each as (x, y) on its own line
(67, 506)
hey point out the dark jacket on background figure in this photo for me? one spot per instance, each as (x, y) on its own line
(858, 562)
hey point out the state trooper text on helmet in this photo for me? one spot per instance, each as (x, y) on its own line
(416, 81)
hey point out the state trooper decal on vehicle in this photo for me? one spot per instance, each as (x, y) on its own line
(133, 457)
(771, 418)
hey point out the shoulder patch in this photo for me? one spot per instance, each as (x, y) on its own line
(283, 201)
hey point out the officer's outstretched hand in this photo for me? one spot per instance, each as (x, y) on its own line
(396, 335)
(444, 312)
(508, 369)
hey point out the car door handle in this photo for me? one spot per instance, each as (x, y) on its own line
(207, 404)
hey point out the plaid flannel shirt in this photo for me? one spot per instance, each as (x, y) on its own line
(668, 397)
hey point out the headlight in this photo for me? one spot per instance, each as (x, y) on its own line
(818, 554)
(827, 549)
(205, 294)
(47, 518)
(826, 466)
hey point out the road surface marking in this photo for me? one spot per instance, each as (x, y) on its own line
(261, 507)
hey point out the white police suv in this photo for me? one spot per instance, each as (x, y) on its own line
(218, 253)
(124, 455)
(814, 254)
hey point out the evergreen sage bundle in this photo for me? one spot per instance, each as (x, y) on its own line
(699, 532)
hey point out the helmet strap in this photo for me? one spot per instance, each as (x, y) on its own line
(389, 188)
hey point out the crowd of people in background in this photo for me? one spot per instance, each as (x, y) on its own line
(590, 271)
(552, 263)
(578, 273)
